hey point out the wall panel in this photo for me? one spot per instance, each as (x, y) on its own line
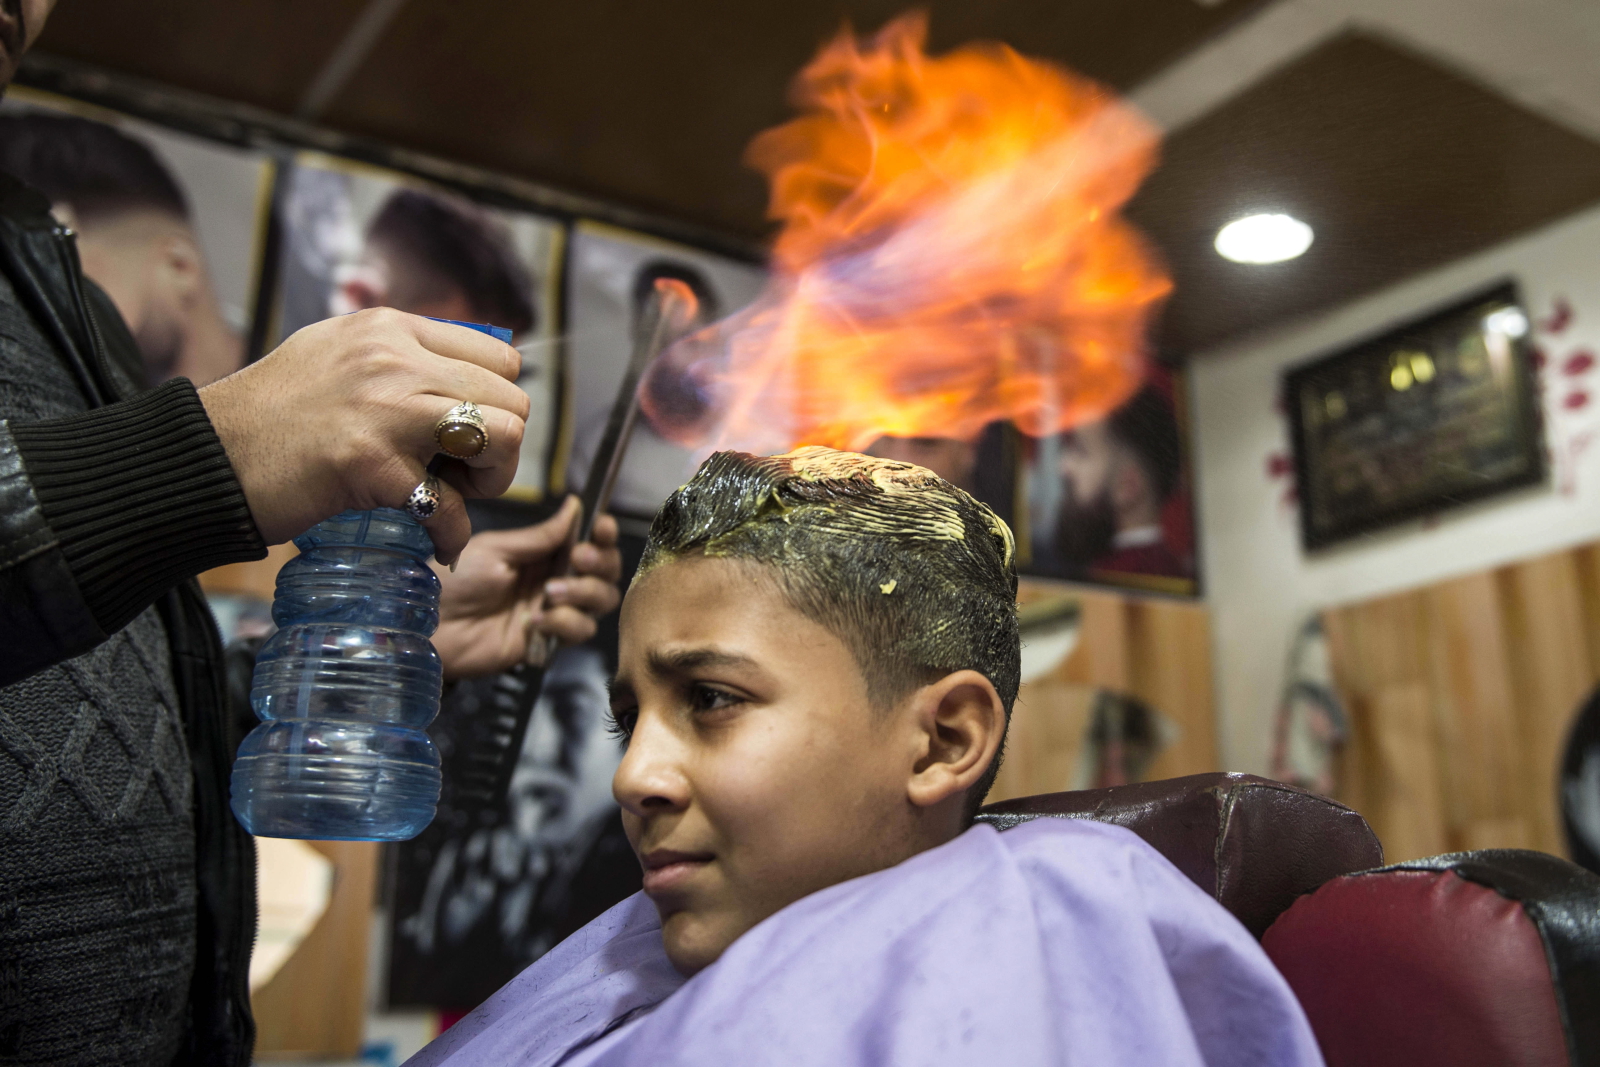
(1460, 696)
(1152, 648)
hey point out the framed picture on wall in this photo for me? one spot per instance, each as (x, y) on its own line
(1109, 502)
(612, 271)
(358, 236)
(486, 890)
(1437, 413)
(171, 226)
(127, 187)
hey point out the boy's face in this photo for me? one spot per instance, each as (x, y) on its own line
(757, 772)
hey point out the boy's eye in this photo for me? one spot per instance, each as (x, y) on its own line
(620, 722)
(709, 698)
(622, 718)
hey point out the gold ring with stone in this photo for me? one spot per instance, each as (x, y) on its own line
(462, 433)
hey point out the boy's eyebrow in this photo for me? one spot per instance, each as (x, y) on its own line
(690, 659)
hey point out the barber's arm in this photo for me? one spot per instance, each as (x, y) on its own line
(507, 590)
(102, 512)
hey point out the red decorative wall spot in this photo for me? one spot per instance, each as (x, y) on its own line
(1576, 400)
(1279, 465)
(1578, 362)
(1559, 317)
(1536, 357)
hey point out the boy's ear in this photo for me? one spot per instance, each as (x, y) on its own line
(960, 722)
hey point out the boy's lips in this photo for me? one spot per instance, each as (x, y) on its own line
(664, 869)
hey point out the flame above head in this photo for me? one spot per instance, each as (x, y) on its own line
(951, 255)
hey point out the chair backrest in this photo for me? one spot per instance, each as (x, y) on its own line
(1252, 843)
(1473, 959)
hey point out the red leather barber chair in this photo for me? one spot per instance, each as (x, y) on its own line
(1474, 959)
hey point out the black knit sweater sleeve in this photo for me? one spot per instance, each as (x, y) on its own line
(140, 496)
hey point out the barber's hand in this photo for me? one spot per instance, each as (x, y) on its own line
(499, 598)
(341, 416)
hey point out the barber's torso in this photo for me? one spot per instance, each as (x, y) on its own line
(97, 843)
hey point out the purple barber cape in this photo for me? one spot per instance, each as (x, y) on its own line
(1058, 942)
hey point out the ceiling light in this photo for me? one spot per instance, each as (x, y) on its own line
(1263, 239)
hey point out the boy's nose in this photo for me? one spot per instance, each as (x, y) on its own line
(651, 780)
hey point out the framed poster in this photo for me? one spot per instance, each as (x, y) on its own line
(170, 225)
(611, 275)
(1111, 502)
(173, 228)
(482, 893)
(1431, 415)
(357, 236)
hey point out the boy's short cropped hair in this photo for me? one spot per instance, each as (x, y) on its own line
(913, 574)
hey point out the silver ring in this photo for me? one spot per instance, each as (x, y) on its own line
(424, 499)
(462, 433)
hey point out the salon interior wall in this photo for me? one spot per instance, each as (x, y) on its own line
(1261, 585)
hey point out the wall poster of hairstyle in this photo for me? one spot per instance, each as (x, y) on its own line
(1110, 502)
(483, 892)
(613, 271)
(168, 224)
(357, 236)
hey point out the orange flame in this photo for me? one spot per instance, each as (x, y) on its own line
(951, 255)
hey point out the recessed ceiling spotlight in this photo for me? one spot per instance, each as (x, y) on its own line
(1263, 239)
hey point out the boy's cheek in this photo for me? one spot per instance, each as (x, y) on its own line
(771, 775)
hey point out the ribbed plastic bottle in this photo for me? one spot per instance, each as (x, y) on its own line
(345, 688)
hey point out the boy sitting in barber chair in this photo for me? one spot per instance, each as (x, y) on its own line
(818, 659)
